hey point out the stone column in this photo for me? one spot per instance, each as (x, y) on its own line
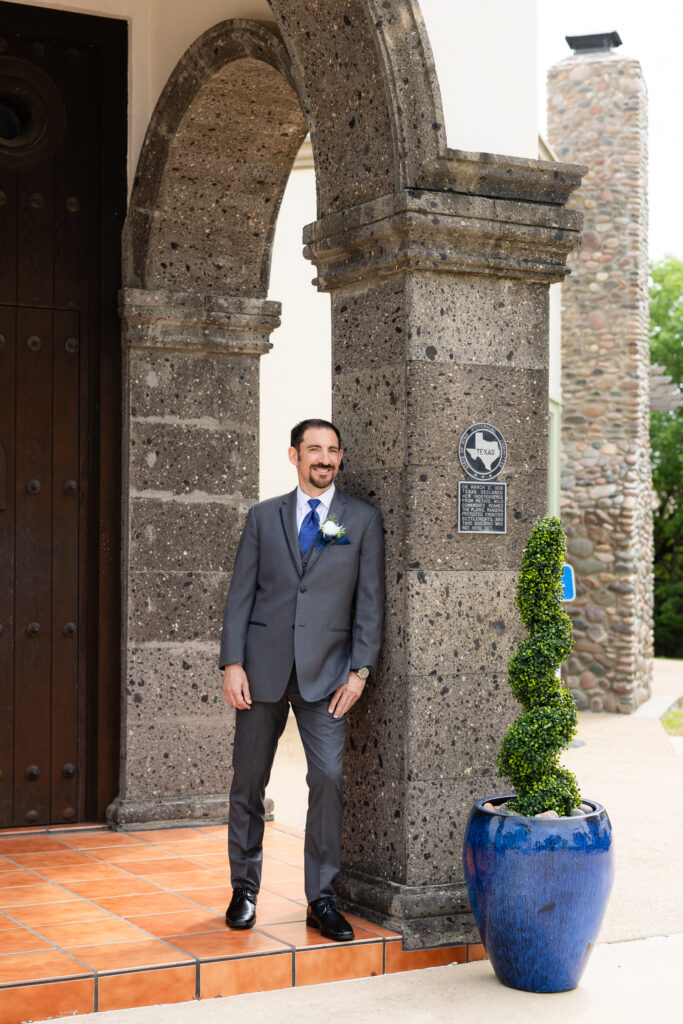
(598, 114)
(439, 320)
(191, 378)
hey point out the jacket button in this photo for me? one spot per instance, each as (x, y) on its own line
(302, 590)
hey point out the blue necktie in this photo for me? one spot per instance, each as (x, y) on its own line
(310, 526)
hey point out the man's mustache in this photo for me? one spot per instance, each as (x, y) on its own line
(319, 465)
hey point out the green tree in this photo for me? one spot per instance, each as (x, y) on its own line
(666, 440)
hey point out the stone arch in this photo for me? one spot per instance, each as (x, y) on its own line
(365, 76)
(214, 165)
(359, 75)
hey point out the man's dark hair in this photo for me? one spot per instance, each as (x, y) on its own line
(300, 429)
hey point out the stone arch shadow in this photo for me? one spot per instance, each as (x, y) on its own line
(412, 240)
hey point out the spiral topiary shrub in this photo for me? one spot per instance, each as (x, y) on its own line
(530, 750)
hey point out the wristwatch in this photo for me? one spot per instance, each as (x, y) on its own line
(362, 673)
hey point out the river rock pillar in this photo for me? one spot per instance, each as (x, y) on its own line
(597, 113)
(439, 321)
(191, 387)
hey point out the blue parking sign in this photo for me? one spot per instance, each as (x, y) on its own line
(568, 588)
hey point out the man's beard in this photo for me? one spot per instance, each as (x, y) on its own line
(318, 470)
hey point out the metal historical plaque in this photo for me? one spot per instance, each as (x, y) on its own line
(482, 502)
(481, 507)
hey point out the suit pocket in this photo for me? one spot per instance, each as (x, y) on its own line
(253, 622)
(335, 630)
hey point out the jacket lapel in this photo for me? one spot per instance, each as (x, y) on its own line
(288, 518)
(336, 509)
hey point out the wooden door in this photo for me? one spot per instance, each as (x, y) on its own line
(55, 344)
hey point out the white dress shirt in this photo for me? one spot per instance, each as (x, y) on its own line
(303, 508)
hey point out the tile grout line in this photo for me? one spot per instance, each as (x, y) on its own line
(116, 972)
(49, 830)
(10, 986)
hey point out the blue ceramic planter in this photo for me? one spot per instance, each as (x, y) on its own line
(538, 889)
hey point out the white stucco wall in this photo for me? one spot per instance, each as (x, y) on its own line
(485, 55)
(555, 400)
(555, 366)
(296, 373)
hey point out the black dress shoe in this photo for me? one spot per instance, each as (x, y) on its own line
(323, 914)
(242, 910)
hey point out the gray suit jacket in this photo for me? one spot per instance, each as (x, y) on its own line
(324, 614)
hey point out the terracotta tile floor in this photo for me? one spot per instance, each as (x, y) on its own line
(99, 920)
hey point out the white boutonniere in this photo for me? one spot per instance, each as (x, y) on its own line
(331, 532)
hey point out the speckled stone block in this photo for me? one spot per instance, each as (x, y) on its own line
(418, 355)
(202, 388)
(386, 489)
(432, 519)
(178, 737)
(378, 730)
(176, 533)
(168, 680)
(436, 815)
(455, 618)
(375, 841)
(185, 458)
(514, 399)
(178, 757)
(176, 605)
(441, 743)
(483, 321)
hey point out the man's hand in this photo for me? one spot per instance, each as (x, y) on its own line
(346, 695)
(236, 687)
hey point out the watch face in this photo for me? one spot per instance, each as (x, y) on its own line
(363, 673)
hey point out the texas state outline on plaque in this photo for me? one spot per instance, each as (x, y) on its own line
(487, 451)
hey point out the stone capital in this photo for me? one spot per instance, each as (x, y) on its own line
(508, 177)
(440, 231)
(197, 322)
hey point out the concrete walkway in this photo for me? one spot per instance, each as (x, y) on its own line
(627, 763)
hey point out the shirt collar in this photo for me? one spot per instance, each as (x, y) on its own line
(325, 499)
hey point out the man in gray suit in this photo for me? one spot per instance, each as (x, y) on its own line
(302, 626)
